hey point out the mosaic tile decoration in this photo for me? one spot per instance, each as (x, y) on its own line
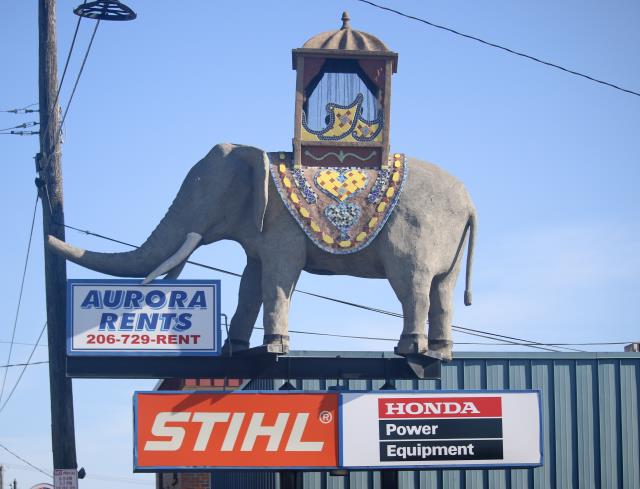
(345, 123)
(340, 209)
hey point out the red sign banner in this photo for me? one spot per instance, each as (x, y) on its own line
(436, 407)
(244, 430)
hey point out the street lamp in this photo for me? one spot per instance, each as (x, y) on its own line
(105, 10)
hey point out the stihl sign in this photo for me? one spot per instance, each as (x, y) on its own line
(353, 430)
(235, 430)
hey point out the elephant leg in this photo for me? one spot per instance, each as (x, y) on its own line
(413, 294)
(279, 278)
(441, 315)
(249, 303)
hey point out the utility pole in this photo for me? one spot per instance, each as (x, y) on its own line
(49, 184)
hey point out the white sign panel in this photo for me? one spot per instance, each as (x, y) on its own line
(122, 317)
(440, 429)
(65, 479)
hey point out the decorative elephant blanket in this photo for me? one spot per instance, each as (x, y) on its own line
(341, 209)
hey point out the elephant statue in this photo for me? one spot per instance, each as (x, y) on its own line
(229, 195)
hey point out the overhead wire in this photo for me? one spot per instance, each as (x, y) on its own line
(23, 110)
(89, 476)
(19, 133)
(24, 364)
(25, 461)
(24, 125)
(58, 132)
(20, 343)
(503, 48)
(75, 86)
(379, 338)
(24, 368)
(504, 339)
(64, 72)
(460, 329)
(24, 274)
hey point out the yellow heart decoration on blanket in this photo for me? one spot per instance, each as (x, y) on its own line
(341, 184)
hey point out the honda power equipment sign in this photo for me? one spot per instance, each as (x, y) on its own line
(458, 429)
(245, 430)
(122, 317)
(354, 430)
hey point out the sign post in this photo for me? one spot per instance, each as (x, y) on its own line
(49, 181)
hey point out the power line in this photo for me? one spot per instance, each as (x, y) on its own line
(66, 63)
(21, 343)
(19, 133)
(64, 72)
(24, 273)
(75, 85)
(498, 46)
(111, 478)
(377, 338)
(470, 331)
(58, 132)
(24, 368)
(26, 461)
(22, 110)
(24, 364)
(89, 476)
(21, 126)
(460, 329)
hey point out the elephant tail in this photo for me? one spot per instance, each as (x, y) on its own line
(471, 229)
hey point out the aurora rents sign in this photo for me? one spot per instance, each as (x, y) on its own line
(323, 430)
(123, 317)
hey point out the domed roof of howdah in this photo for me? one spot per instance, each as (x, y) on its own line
(347, 39)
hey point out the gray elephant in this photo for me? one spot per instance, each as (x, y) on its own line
(229, 195)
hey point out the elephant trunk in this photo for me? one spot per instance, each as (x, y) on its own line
(167, 241)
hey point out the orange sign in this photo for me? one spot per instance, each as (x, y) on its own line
(260, 430)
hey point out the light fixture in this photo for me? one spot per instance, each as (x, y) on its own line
(105, 10)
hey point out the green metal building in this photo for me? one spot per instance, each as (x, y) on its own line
(590, 411)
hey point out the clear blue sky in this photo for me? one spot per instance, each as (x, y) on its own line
(551, 161)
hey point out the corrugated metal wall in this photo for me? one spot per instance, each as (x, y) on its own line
(590, 412)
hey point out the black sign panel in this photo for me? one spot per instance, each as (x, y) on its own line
(427, 429)
(416, 451)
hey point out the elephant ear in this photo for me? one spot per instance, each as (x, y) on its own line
(258, 162)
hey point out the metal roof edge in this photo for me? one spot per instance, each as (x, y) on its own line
(472, 355)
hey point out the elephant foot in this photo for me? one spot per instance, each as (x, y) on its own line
(412, 343)
(276, 343)
(233, 346)
(441, 349)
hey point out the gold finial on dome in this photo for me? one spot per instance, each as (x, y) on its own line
(345, 20)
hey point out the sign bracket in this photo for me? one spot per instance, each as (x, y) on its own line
(252, 365)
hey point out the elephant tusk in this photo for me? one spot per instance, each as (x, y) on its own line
(175, 271)
(190, 243)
